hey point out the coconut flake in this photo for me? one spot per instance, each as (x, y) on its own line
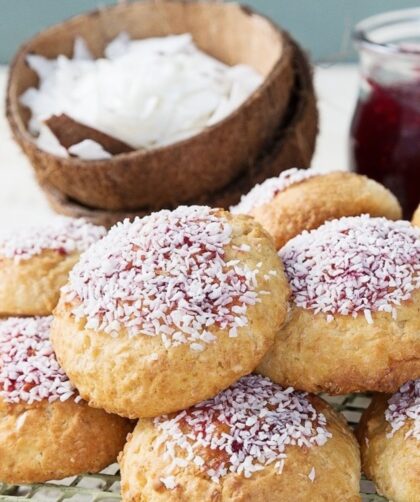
(48, 142)
(243, 429)
(265, 192)
(29, 370)
(353, 266)
(403, 407)
(312, 474)
(146, 93)
(81, 50)
(169, 482)
(89, 150)
(61, 234)
(164, 275)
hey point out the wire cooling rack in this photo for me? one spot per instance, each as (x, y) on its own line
(105, 487)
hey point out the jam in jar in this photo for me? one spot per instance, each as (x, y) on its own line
(385, 131)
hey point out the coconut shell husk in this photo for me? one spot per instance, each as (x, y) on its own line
(70, 132)
(293, 146)
(185, 170)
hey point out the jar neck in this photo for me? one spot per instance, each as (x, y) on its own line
(388, 69)
(389, 46)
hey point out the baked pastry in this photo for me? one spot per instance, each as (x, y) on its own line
(35, 262)
(354, 323)
(169, 310)
(46, 430)
(303, 199)
(416, 217)
(253, 442)
(389, 434)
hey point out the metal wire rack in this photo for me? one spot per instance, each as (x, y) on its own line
(105, 487)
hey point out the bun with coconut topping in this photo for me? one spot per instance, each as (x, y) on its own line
(354, 323)
(254, 441)
(169, 310)
(46, 430)
(416, 217)
(389, 435)
(303, 199)
(35, 263)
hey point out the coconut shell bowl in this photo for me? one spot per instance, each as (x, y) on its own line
(274, 129)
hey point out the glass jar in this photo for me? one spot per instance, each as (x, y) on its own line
(385, 131)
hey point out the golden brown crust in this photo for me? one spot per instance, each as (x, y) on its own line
(120, 375)
(347, 354)
(336, 464)
(44, 441)
(32, 286)
(416, 217)
(392, 463)
(308, 204)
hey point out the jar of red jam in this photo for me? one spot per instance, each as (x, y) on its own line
(385, 131)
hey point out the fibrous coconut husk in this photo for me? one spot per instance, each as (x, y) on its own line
(293, 146)
(185, 170)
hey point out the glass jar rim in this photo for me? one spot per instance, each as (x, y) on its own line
(362, 33)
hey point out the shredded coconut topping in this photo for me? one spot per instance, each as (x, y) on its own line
(61, 234)
(403, 406)
(266, 191)
(164, 275)
(354, 265)
(312, 474)
(241, 430)
(29, 370)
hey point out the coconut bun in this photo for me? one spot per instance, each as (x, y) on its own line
(46, 430)
(354, 321)
(389, 435)
(303, 199)
(254, 441)
(416, 217)
(169, 310)
(35, 263)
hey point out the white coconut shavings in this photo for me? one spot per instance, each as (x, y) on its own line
(312, 474)
(241, 430)
(352, 266)
(164, 275)
(29, 370)
(403, 407)
(89, 150)
(61, 234)
(266, 191)
(146, 93)
(169, 482)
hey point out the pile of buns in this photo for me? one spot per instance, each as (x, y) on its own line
(204, 335)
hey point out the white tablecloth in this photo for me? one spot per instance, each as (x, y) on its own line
(22, 202)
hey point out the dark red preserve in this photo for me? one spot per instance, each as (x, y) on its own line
(385, 139)
(385, 132)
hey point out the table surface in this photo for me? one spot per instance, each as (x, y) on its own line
(22, 202)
